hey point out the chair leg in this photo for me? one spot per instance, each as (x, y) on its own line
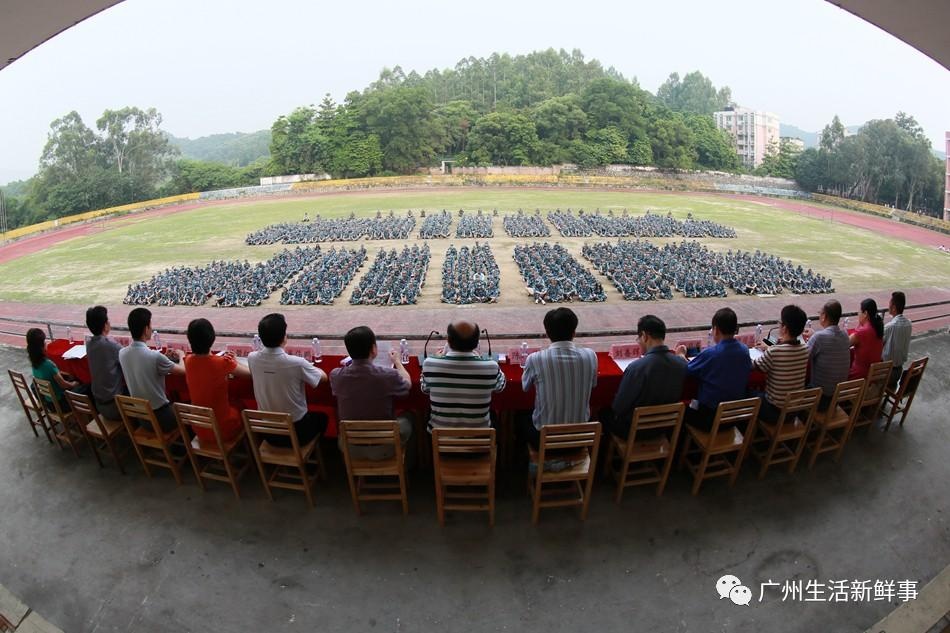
(263, 473)
(110, 442)
(587, 489)
(95, 450)
(700, 473)
(402, 490)
(232, 476)
(305, 478)
(816, 449)
(536, 496)
(622, 479)
(354, 493)
(173, 465)
(667, 467)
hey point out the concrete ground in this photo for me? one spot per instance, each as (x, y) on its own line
(92, 550)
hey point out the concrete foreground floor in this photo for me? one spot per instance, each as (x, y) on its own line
(93, 550)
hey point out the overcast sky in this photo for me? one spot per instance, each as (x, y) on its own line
(214, 66)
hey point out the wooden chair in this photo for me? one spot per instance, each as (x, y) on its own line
(899, 400)
(784, 440)
(838, 419)
(35, 413)
(725, 438)
(873, 401)
(653, 457)
(103, 434)
(216, 459)
(288, 465)
(372, 480)
(62, 423)
(574, 444)
(464, 463)
(152, 446)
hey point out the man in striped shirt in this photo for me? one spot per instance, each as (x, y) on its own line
(461, 382)
(784, 363)
(562, 375)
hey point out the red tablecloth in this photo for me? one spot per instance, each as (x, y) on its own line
(241, 390)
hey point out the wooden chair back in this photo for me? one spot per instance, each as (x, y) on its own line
(577, 443)
(288, 466)
(152, 446)
(35, 414)
(654, 455)
(836, 423)
(100, 434)
(372, 480)
(899, 401)
(464, 464)
(784, 441)
(726, 437)
(62, 423)
(874, 388)
(210, 461)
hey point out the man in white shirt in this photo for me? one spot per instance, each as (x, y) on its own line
(897, 333)
(280, 379)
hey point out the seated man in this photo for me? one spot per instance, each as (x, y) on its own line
(145, 369)
(563, 376)
(722, 370)
(829, 352)
(897, 333)
(207, 376)
(785, 363)
(279, 380)
(365, 391)
(460, 383)
(103, 355)
(655, 378)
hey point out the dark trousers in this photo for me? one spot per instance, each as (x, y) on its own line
(308, 427)
(701, 418)
(166, 418)
(768, 412)
(525, 433)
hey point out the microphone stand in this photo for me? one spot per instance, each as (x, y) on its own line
(487, 338)
(425, 348)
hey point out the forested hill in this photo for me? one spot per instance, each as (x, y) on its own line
(237, 148)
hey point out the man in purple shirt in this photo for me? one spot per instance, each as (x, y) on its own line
(365, 390)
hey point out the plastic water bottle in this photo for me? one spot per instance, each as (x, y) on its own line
(847, 323)
(69, 334)
(808, 324)
(156, 339)
(523, 357)
(709, 338)
(758, 333)
(404, 351)
(256, 343)
(316, 351)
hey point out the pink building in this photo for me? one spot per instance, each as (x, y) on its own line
(946, 202)
(752, 131)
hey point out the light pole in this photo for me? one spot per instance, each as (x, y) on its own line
(3, 216)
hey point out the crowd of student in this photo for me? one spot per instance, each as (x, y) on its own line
(648, 225)
(643, 271)
(522, 225)
(460, 381)
(435, 226)
(324, 280)
(225, 284)
(474, 226)
(470, 275)
(395, 278)
(335, 230)
(552, 274)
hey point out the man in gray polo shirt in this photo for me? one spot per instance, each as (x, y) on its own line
(829, 353)
(145, 369)
(897, 333)
(103, 355)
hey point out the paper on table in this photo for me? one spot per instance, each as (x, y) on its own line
(754, 353)
(382, 354)
(75, 353)
(623, 362)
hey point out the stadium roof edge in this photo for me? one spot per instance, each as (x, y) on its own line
(25, 24)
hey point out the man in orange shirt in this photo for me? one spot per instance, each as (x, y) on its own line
(207, 377)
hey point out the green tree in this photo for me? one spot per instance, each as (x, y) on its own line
(133, 145)
(714, 147)
(781, 160)
(503, 138)
(402, 118)
(695, 94)
(672, 142)
(297, 143)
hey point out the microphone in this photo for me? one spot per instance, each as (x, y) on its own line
(425, 348)
(487, 338)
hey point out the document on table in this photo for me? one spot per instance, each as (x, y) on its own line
(622, 363)
(755, 354)
(75, 353)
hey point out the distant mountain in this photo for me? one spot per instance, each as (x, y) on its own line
(15, 188)
(810, 138)
(236, 148)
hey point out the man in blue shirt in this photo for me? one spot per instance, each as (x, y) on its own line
(721, 370)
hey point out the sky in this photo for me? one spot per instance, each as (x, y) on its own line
(232, 65)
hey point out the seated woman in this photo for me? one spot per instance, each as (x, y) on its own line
(45, 369)
(207, 377)
(867, 340)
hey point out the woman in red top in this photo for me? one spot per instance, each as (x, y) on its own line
(867, 340)
(207, 377)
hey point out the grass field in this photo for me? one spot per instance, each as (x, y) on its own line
(99, 267)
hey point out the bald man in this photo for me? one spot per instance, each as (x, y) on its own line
(460, 383)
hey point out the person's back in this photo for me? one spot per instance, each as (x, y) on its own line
(785, 363)
(829, 353)
(207, 377)
(460, 383)
(145, 369)
(102, 354)
(897, 333)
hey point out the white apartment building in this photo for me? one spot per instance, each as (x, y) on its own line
(752, 131)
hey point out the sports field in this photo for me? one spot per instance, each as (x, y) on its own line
(99, 266)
